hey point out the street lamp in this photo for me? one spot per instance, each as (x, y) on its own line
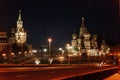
(4, 57)
(68, 47)
(49, 40)
(62, 51)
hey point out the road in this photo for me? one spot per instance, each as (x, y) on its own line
(44, 73)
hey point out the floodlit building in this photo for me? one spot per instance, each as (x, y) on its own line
(12, 36)
(20, 34)
(18, 38)
(87, 44)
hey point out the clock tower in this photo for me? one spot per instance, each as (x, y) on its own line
(20, 34)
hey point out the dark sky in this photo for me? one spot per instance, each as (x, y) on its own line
(59, 18)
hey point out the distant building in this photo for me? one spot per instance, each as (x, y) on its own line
(12, 36)
(40, 50)
(115, 50)
(20, 34)
(85, 43)
(4, 46)
(18, 37)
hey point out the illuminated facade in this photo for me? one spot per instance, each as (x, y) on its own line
(85, 43)
(3, 42)
(20, 34)
(12, 36)
(17, 39)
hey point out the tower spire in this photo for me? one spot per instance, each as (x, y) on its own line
(83, 24)
(83, 29)
(19, 17)
(83, 19)
(19, 21)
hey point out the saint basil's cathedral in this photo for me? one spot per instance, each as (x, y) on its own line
(87, 45)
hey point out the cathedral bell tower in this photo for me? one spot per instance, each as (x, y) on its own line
(20, 34)
(82, 28)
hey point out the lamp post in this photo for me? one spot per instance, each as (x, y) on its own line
(67, 47)
(49, 40)
(69, 56)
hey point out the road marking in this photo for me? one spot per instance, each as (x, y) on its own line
(21, 75)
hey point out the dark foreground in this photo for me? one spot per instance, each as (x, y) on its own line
(49, 73)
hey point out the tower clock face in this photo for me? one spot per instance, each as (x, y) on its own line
(19, 25)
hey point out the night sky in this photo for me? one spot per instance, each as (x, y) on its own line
(58, 19)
